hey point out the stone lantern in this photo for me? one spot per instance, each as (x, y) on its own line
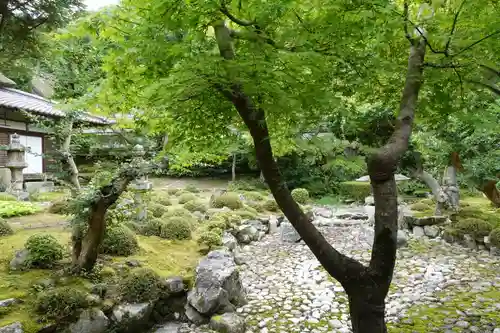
(16, 163)
(141, 185)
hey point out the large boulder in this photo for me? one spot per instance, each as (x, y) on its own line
(228, 323)
(12, 328)
(431, 231)
(288, 233)
(90, 321)
(402, 239)
(229, 241)
(20, 260)
(217, 286)
(246, 234)
(133, 317)
(423, 221)
(260, 225)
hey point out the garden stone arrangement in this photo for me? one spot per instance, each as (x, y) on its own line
(247, 271)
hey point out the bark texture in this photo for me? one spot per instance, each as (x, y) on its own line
(86, 246)
(233, 168)
(366, 287)
(491, 192)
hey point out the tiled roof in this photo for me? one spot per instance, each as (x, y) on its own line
(18, 99)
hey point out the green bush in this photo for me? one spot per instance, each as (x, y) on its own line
(228, 199)
(191, 188)
(246, 214)
(479, 212)
(355, 190)
(420, 207)
(247, 185)
(156, 209)
(119, 240)
(185, 197)
(231, 218)
(254, 196)
(176, 228)
(152, 227)
(195, 206)
(60, 303)
(256, 205)
(301, 195)
(5, 228)
(495, 237)
(216, 224)
(271, 205)
(173, 191)
(141, 285)
(7, 197)
(17, 208)
(474, 227)
(162, 200)
(61, 206)
(44, 250)
(429, 202)
(210, 238)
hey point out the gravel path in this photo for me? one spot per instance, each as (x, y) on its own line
(437, 287)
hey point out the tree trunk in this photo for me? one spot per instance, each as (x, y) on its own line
(86, 247)
(438, 193)
(68, 161)
(366, 287)
(450, 187)
(233, 168)
(492, 193)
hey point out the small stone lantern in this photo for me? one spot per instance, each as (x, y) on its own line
(16, 163)
(140, 186)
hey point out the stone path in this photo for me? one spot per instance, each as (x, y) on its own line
(288, 291)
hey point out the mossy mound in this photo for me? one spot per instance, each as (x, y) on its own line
(141, 285)
(210, 238)
(44, 250)
(420, 207)
(271, 205)
(355, 190)
(5, 228)
(119, 240)
(157, 209)
(195, 206)
(60, 303)
(477, 228)
(495, 237)
(176, 228)
(228, 199)
(185, 197)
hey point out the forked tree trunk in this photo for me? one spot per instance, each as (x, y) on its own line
(451, 189)
(366, 287)
(86, 247)
(68, 162)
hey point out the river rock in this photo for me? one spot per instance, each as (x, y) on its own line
(428, 220)
(9, 301)
(258, 224)
(323, 212)
(470, 242)
(431, 231)
(245, 234)
(228, 323)
(194, 316)
(90, 321)
(402, 239)
(229, 241)
(133, 316)
(175, 285)
(12, 328)
(369, 201)
(172, 327)
(288, 233)
(217, 286)
(418, 231)
(20, 260)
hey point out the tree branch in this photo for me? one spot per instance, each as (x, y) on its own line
(476, 42)
(405, 14)
(233, 18)
(453, 27)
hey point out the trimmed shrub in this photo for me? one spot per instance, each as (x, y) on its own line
(355, 190)
(173, 191)
(271, 205)
(176, 228)
(61, 206)
(255, 205)
(246, 214)
(152, 227)
(210, 238)
(44, 250)
(429, 202)
(231, 218)
(420, 207)
(195, 206)
(7, 197)
(495, 237)
(216, 224)
(157, 210)
(5, 228)
(185, 197)
(162, 200)
(254, 196)
(119, 240)
(228, 199)
(192, 188)
(301, 195)
(141, 285)
(247, 185)
(474, 227)
(60, 302)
